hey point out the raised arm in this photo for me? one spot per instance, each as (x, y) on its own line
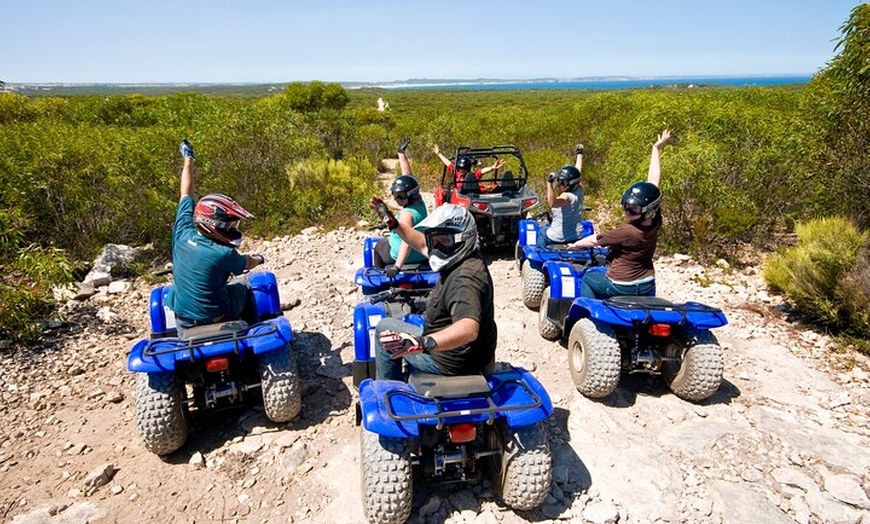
(411, 236)
(578, 153)
(187, 169)
(439, 154)
(499, 163)
(404, 164)
(655, 164)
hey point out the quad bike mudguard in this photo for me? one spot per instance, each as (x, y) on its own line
(629, 310)
(394, 409)
(164, 349)
(373, 280)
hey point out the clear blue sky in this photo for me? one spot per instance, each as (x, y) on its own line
(381, 40)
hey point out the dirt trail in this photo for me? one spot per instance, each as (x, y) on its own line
(785, 439)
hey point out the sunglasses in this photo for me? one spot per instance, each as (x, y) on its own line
(632, 209)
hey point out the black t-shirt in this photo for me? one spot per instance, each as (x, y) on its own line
(465, 291)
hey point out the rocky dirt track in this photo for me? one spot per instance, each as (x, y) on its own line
(785, 439)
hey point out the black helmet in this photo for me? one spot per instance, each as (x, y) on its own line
(464, 162)
(642, 198)
(569, 175)
(406, 185)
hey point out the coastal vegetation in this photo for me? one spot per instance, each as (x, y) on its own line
(748, 165)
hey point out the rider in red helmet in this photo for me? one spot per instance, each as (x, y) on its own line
(205, 239)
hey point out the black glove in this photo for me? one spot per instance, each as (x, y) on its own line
(578, 149)
(404, 143)
(387, 216)
(551, 178)
(391, 271)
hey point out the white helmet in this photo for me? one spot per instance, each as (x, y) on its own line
(451, 235)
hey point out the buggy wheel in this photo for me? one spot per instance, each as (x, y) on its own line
(548, 329)
(522, 473)
(697, 373)
(593, 356)
(387, 480)
(160, 413)
(534, 282)
(279, 380)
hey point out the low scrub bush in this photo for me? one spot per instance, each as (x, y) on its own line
(826, 274)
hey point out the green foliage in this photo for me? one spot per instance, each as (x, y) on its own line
(316, 96)
(26, 289)
(839, 120)
(331, 190)
(826, 274)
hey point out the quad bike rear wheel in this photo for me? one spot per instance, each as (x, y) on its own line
(534, 282)
(522, 473)
(160, 412)
(387, 478)
(593, 356)
(546, 327)
(697, 374)
(279, 380)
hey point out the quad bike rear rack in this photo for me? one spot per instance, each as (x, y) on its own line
(175, 345)
(649, 304)
(443, 414)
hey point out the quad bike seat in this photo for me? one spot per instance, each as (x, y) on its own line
(440, 386)
(211, 330)
(639, 302)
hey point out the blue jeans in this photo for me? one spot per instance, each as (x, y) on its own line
(387, 368)
(597, 285)
(543, 240)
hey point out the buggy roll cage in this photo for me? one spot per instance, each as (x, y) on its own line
(448, 179)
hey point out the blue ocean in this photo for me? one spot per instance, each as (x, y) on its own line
(603, 83)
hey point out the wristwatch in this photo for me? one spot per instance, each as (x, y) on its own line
(429, 344)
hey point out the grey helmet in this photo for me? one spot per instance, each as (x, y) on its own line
(451, 235)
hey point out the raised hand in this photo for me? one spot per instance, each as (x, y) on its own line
(186, 149)
(380, 207)
(663, 138)
(404, 144)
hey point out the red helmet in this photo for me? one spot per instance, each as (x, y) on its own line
(217, 217)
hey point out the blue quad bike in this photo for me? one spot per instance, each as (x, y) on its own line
(447, 429)
(530, 258)
(212, 366)
(632, 334)
(373, 280)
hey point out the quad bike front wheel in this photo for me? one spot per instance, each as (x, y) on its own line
(522, 473)
(160, 413)
(387, 478)
(534, 282)
(546, 327)
(593, 356)
(697, 371)
(279, 380)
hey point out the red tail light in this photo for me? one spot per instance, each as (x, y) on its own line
(213, 365)
(660, 330)
(458, 200)
(481, 206)
(405, 286)
(461, 433)
(529, 202)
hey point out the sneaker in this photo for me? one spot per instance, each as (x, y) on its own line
(186, 149)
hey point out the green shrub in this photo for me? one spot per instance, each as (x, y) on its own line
(821, 276)
(26, 290)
